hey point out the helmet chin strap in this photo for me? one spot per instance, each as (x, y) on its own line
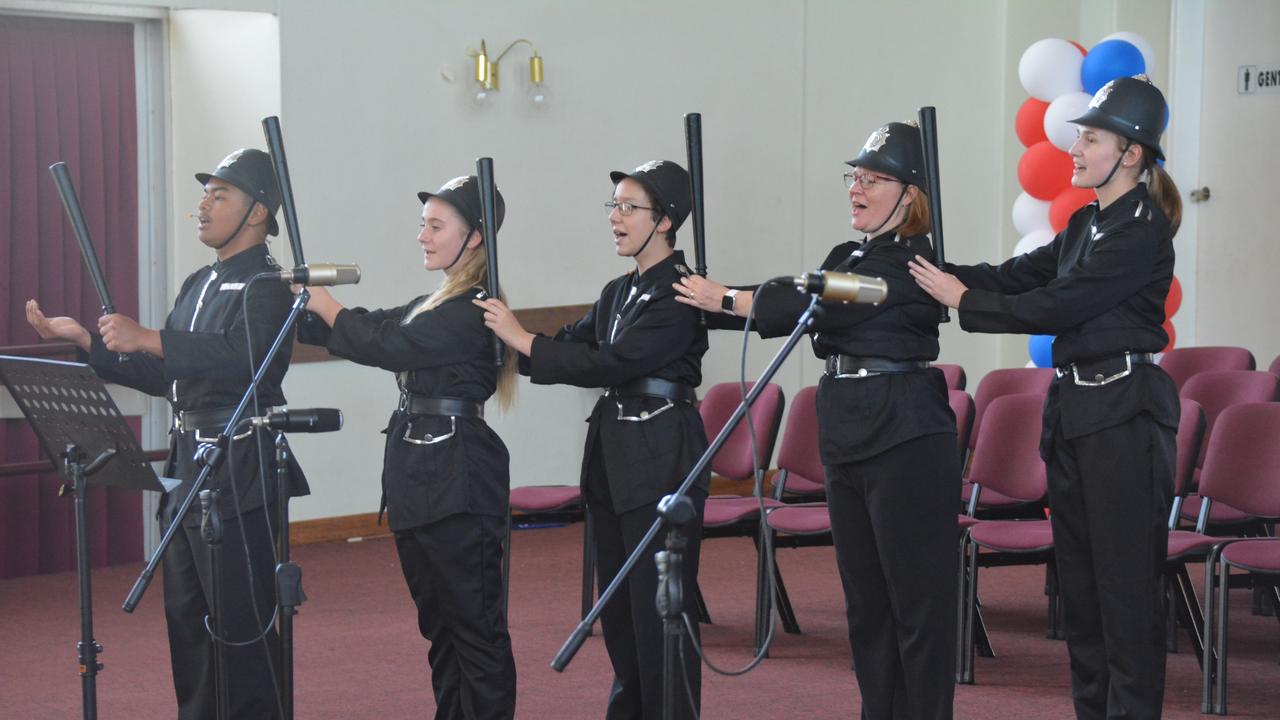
(239, 227)
(645, 244)
(887, 218)
(461, 249)
(1115, 167)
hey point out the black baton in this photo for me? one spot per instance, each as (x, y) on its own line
(275, 146)
(69, 201)
(488, 222)
(929, 139)
(693, 147)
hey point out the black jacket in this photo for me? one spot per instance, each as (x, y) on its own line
(635, 330)
(206, 366)
(1100, 287)
(445, 352)
(861, 418)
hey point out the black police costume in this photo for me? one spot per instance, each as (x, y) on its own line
(445, 477)
(644, 434)
(205, 371)
(887, 437)
(1110, 418)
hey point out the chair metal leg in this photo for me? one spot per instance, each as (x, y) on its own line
(1054, 609)
(1220, 681)
(1209, 668)
(981, 640)
(785, 611)
(962, 598)
(971, 602)
(1189, 610)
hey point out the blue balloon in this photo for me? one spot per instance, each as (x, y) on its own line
(1040, 347)
(1109, 60)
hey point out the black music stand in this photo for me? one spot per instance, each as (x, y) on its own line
(74, 418)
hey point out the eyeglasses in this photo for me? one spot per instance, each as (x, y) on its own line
(866, 180)
(625, 208)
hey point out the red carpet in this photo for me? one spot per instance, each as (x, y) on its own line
(359, 655)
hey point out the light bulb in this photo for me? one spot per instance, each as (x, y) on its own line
(538, 95)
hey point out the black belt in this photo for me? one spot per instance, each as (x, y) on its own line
(210, 419)
(854, 366)
(655, 387)
(453, 407)
(1105, 370)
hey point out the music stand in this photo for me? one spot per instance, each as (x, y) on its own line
(74, 418)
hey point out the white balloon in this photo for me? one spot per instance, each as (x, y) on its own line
(1144, 47)
(1031, 241)
(1064, 108)
(1049, 68)
(1030, 214)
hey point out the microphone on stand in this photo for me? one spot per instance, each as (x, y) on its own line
(307, 420)
(316, 274)
(843, 286)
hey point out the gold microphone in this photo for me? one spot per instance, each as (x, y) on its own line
(844, 287)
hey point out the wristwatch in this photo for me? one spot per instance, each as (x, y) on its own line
(726, 302)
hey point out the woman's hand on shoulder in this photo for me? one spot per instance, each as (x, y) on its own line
(499, 318)
(700, 292)
(942, 286)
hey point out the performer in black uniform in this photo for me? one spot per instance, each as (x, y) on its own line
(1112, 414)
(202, 361)
(886, 434)
(445, 481)
(644, 434)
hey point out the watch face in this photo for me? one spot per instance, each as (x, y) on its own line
(726, 302)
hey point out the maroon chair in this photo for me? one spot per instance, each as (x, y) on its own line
(1257, 556)
(732, 515)
(956, 379)
(1191, 424)
(1274, 368)
(1216, 391)
(800, 472)
(800, 475)
(1006, 460)
(998, 383)
(1182, 363)
(558, 503)
(1242, 468)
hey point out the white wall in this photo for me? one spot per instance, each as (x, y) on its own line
(788, 91)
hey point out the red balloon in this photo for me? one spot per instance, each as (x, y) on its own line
(1044, 171)
(1173, 300)
(1081, 47)
(1029, 123)
(1066, 203)
(1173, 336)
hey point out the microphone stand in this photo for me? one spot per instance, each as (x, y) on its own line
(288, 578)
(211, 460)
(579, 635)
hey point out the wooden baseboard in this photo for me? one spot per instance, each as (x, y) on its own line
(342, 527)
(365, 525)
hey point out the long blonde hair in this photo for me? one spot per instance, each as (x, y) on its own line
(473, 273)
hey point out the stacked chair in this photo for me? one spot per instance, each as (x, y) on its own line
(732, 515)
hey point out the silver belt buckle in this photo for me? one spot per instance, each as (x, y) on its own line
(1098, 380)
(839, 375)
(645, 415)
(430, 439)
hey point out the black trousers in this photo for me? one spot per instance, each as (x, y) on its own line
(454, 571)
(633, 634)
(893, 521)
(188, 598)
(1109, 493)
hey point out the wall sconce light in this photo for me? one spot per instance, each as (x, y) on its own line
(486, 75)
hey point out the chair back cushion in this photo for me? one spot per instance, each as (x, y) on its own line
(718, 405)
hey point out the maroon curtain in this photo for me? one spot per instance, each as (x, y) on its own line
(66, 94)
